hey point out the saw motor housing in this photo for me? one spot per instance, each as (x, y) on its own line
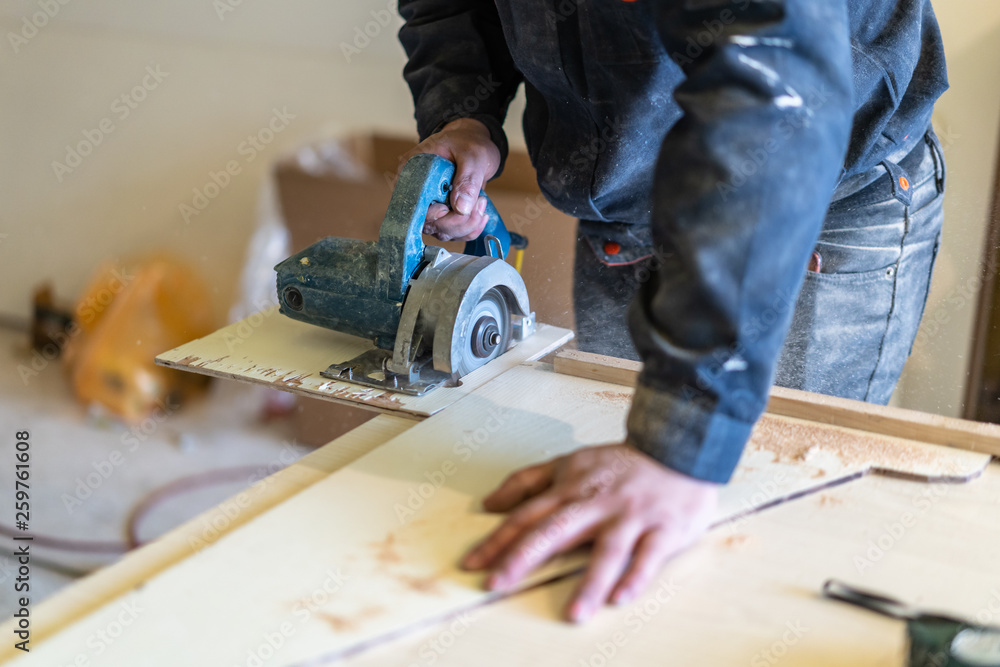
(434, 316)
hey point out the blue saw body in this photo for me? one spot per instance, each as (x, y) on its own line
(360, 287)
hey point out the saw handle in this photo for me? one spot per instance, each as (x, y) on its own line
(425, 179)
(484, 245)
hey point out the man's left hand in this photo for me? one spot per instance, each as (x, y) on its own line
(635, 510)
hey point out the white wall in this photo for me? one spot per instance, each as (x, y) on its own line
(226, 74)
(225, 77)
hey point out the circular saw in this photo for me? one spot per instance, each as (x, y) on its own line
(434, 316)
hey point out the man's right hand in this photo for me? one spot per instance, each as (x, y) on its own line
(467, 143)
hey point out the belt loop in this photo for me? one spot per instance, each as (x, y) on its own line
(937, 152)
(900, 182)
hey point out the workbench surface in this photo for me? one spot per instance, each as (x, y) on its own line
(747, 594)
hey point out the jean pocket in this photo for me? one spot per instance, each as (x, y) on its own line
(857, 263)
(854, 277)
(837, 330)
(862, 241)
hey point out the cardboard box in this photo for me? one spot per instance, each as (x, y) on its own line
(344, 190)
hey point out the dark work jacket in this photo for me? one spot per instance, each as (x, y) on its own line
(723, 127)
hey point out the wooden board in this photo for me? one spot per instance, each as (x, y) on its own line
(927, 427)
(732, 599)
(869, 417)
(82, 597)
(271, 349)
(371, 551)
(592, 366)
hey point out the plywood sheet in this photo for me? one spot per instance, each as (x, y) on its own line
(371, 551)
(136, 567)
(748, 594)
(271, 349)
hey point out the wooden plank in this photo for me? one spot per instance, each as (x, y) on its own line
(900, 422)
(136, 567)
(271, 349)
(870, 417)
(624, 372)
(372, 550)
(731, 599)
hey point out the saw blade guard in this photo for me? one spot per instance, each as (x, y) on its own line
(462, 311)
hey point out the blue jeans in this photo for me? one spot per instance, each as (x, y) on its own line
(856, 316)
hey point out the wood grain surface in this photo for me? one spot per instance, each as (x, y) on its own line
(748, 594)
(92, 592)
(370, 551)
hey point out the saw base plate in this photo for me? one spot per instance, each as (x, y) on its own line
(371, 370)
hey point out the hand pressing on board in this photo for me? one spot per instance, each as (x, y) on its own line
(636, 511)
(467, 143)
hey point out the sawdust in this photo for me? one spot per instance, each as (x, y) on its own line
(430, 585)
(339, 623)
(385, 550)
(826, 500)
(736, 542)
(793, 441)
(349, 624)
(617, 398)
(387, 556)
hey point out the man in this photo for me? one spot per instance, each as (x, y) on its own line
(757, 177)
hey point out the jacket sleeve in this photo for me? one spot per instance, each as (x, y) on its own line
(742, 185)
(459, 65)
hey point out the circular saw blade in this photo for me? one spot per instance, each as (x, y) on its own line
(488, 334)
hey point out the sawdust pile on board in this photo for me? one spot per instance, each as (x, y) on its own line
(736, 542)
(584, 395)
(429, 585)
(349, 624)
(793, 441)
(385, 550)
(621, 399)
(387, 555)
(339, 623)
